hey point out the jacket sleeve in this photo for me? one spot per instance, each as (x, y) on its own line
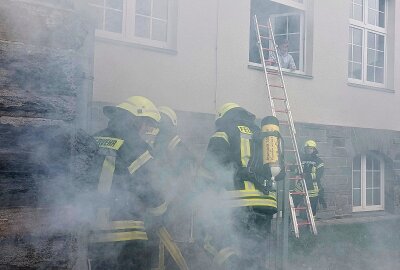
(216, 158)
(319, 172)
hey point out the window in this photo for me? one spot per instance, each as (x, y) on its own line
(368, 183)
(147, 22)
(367, 42)
(287, 19)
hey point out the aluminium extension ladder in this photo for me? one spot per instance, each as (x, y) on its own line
(280, 107)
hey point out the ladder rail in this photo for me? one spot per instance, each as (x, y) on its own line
(292, 130)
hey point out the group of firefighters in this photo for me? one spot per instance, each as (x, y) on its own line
(147, 197)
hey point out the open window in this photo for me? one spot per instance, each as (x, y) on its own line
(287, 19)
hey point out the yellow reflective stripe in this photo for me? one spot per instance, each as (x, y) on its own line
(253, 202)
(159, 210)
(109, 142)
(173, 143)
(140, 161)
(118, 236)
(126, 224)
(249, 185)
(242, 193)
(222, 135)
(244, 151)
(106, 175)
(320, 165)
(223, 255)
(172, 248)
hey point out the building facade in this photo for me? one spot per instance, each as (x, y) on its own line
(196, 55)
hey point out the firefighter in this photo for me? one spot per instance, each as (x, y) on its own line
(233, 166)
(126, 191)
(176, 166)
(313, 170)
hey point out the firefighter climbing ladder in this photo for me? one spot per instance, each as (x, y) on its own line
(279, 103)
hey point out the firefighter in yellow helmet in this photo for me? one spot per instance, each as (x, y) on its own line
(233, 167)
(125, 191)
(313, 170)
(175, 165)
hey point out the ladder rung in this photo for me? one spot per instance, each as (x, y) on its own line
(265, 26)
(303, 223)
(265, 37)
(297, 193)
(279, 98)
(289, 150)
(280, 111)
(273, 73)
(268, 49)
(295, 178)
(277, 86)
(300, 208)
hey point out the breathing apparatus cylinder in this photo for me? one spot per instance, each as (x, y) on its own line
(271, 146)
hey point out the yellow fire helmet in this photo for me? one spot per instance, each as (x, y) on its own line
(225, 108)
(138, 106)
(310, 143)
(170, 113)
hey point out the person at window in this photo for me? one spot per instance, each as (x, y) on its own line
(285, 58)
(313, 170)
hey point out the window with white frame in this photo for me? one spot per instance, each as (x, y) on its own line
(146, 22)
(368, 183)
(287, 19)
(367, 42)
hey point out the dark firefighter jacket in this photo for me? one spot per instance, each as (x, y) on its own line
(125, 188)
(234, 145)
(313, 170)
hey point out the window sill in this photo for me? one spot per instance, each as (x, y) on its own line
(135, 44)
(297, 73)
(368, 87)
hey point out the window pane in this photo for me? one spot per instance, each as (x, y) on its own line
(377, 197)
(377, 179)
(369, 197)
(369, 163)
(368, 176)
(350, 70)
(143, 7)
(372, 16)
(382, 5)
(296, 59)
(357, 36)
(160, 9)
(370, 73)
(373, 4)
(96, 2)
(357, 163)
(357, 71)
(358, 2)
(294, 24)
(142, 26)
(280, 25)
(380, 42)
(113, 21)
(350, 52)
(356, 179)
(371, 57)
(371, 40)
(358, 13)
(159, 31)
(99, 18)
(380, 59)
(377, 164)
(357, 54)
(356, 197)
(294, 42)
(381, 19)
(116, 4)
(379, 75)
